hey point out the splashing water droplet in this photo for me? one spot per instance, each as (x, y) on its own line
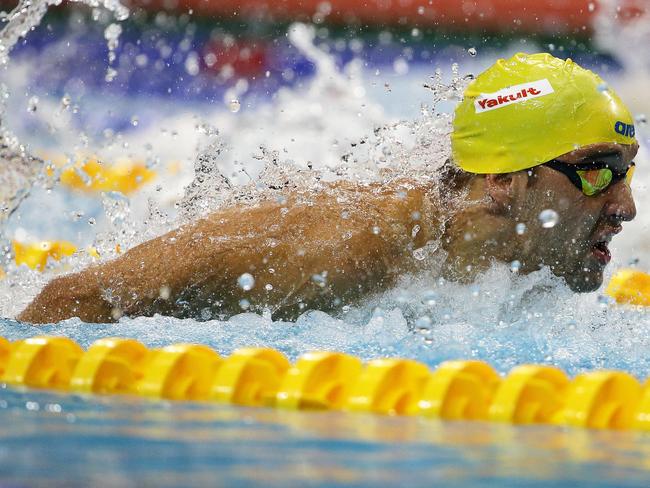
(430, 297)
(32, 104)
(520, 228)
(246, 281)
(244, 304)
(401, 66)
(423, 324)
(591, 6)
(234, 105)
(376, 230)
(135, 121)
(604, 301)
(320, 279)
(65, 102)
(164, 292)
(603, 87)
(192, 66)
(549, 218)
(641, 119)
(419, 254)
(472, 51)
(515, 266)
(110, 75)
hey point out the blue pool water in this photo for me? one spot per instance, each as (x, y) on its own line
(64, 440)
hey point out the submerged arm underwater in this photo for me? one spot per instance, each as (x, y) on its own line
(320, 252)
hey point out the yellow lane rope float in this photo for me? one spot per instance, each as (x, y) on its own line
(36, 254)
(90, 175)
(630, 286)
(456, 390)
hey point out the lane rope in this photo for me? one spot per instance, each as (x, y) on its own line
(455, 390)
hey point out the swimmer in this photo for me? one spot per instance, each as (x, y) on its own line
(534, 136)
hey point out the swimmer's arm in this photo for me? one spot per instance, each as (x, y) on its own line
(74, 295)
(286, 247)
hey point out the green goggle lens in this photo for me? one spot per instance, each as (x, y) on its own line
(595, 180)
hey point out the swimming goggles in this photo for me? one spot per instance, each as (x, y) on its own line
(594, 177)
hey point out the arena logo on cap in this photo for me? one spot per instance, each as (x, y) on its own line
(626, 130)
(512, 94)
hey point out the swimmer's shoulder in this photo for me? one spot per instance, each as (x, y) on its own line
(397, 200)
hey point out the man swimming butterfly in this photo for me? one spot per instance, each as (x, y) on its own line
(536, 140)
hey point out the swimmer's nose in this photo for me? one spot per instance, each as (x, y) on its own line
(620, 203)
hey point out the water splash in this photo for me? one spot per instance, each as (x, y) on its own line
(29, 13)
(18, 172)
(22, 170)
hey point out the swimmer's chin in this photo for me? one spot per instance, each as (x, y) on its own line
(577, 281)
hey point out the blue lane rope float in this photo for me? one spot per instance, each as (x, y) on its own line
(456, 390)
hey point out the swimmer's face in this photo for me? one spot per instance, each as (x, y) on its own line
(576, 248)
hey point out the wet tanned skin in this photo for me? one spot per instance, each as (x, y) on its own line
(193, 271)
(282, 245)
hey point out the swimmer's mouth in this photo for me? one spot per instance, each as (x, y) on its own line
(600, 249)
(601, 252)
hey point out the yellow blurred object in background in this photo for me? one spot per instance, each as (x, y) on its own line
(91, 175)
(124, 176)
(630, 286)
(36, 254)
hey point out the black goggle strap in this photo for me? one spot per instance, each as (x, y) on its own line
(568, 171)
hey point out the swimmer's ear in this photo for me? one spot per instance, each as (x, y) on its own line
(504, 189)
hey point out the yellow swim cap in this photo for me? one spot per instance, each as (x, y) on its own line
(533, 108)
